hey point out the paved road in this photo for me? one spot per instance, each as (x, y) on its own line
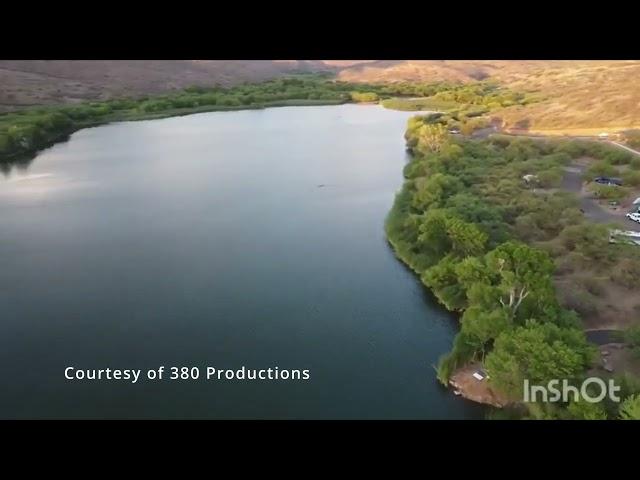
(572, 182)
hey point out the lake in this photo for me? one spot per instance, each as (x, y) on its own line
(227, 239)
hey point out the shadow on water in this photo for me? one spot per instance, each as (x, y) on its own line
(20, 164)
(427, 295)
(452, 319)
(23, 161)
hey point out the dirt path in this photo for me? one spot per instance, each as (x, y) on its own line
(628, 149)
(541, 135)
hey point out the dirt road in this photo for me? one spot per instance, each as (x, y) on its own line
(628, 149)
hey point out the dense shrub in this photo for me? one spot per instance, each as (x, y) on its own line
(627, 273)
(631, 178)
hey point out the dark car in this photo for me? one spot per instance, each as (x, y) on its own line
(608, 181)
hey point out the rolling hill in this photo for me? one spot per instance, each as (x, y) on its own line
(574, 95)
(41, 82)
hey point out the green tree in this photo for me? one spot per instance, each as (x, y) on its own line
(586, 411)
(521, 272)
(588, 240)
(599, 169)
(364, 97)
(481, 327)
(466, 239)
(432, 234)
(631, 178)
(630, 408)
(442, 279)
(432, 191)
(432, 138)
(627, 273)
(472, 271)
(631, 336)
(538, 352)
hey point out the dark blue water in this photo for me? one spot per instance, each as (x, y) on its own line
(229, 239)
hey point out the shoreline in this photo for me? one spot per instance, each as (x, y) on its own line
(27, 155)
(62, 136)
(462, 379)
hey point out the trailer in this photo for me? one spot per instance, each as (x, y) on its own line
(624, 236)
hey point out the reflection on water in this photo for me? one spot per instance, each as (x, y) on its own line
(24, 188)
(206, 240)
(15, 165)
(30, 178)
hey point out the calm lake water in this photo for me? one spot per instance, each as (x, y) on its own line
(228, 239)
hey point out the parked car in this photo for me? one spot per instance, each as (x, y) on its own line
(608, 181)
(634, 217)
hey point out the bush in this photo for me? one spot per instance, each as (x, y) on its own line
(550, 178)
(632, 338)
(627, 273)
(592, 285)
(362, 97)
(6, 145)
(609, 192)
(559, 158)
(577, 298)
(79, 112)
(631, 178)
(229, 101)
(588, 240)
(155, 106)
(573, 148)
(445, 368)
(618, 157)
(570, 263)
(600, 169)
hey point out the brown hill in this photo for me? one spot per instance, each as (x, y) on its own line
(37, 82)
(576, 94)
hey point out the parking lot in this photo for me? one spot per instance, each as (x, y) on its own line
(572, 181)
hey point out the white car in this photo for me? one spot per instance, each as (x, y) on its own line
(634, 216)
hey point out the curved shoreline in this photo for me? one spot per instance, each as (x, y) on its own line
(401, 237)
(26, 155)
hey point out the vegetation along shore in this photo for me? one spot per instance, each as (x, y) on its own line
(24, 132)
(517, 259)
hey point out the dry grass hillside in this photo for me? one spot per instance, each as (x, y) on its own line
(42, 82)
(575, 94)
(416, 70)
(580, 95)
